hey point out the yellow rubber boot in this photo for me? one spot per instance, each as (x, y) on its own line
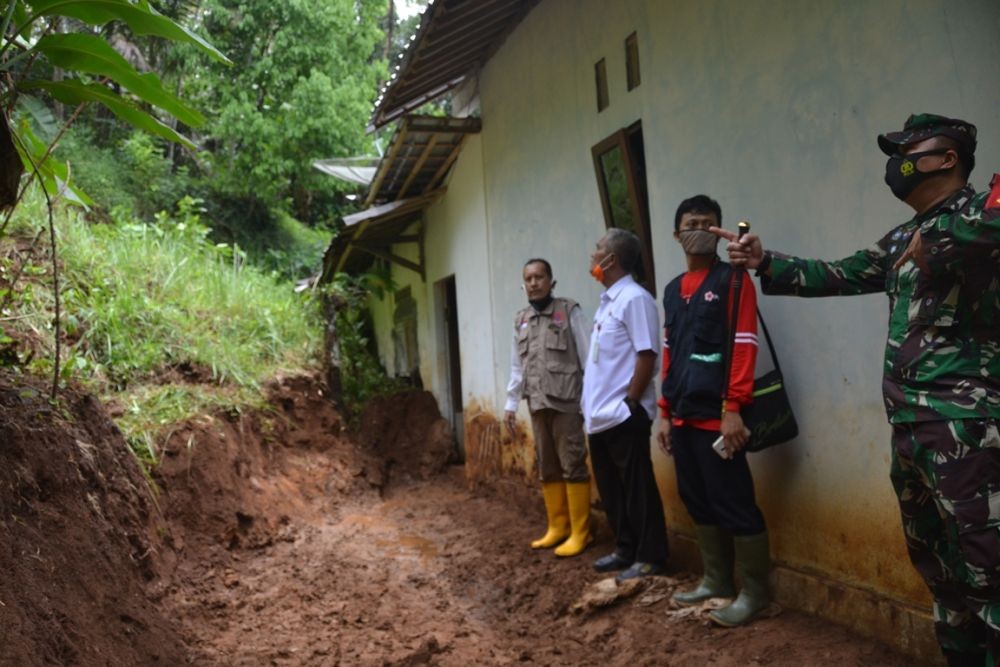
(578, 495)
(554, 494)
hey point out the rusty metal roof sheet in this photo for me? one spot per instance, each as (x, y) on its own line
(370, 234)
(456, 37)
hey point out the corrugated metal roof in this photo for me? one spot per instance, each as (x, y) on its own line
(370, 233)
(456, 37)
(408, 179)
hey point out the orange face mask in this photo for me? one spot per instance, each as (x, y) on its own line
(598, 270)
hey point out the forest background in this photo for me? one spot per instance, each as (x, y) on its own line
(169, 205)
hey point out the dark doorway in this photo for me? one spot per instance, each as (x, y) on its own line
(448, 299)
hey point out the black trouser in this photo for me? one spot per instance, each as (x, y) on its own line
(624, 474)
(715, 491)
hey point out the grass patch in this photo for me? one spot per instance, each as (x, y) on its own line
(153, 408)
(141, 299)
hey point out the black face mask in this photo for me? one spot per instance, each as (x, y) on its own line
(541, 304)
(902, 175)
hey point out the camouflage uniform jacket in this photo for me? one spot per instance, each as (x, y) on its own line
(942, 357)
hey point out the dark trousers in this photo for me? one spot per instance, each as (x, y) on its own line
(623, 471)
(715, 491)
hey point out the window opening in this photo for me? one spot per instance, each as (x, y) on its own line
(620, 166)
(601, 79)
(632, 61)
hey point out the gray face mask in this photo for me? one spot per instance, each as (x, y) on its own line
(698, 242)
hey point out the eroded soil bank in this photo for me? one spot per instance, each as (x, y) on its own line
(278, 538)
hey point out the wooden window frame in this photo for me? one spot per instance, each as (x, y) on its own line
(632, 71)
(639, 209)
(601, 83)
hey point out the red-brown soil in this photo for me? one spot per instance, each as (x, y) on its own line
(285, 540)
(77, 538)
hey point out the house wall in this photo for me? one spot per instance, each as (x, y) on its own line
(456, 243)
(773, 109)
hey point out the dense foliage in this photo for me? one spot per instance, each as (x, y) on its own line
(301, 88)
(186, 131)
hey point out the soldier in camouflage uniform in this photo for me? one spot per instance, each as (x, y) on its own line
(941, 271)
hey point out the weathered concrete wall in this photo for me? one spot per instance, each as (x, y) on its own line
(455, 243)
(773, 109)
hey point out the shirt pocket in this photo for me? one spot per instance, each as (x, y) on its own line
(937, 307)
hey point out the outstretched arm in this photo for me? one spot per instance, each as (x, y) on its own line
(863, 272)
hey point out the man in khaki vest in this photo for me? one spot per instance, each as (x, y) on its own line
(546, 367)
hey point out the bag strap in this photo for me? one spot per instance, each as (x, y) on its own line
(770, 344)
(735, 287)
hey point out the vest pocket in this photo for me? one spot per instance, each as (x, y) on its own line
(562, 381)
(708, 330)
(522, 342)
(705, 371)
(555, 338)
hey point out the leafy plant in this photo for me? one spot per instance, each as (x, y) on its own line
(355, 371)
(37, 43)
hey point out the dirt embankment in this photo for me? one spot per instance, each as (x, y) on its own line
(78, 538)
(281, 539)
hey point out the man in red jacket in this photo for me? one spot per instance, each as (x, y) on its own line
(715, 484)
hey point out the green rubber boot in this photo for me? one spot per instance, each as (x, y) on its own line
(753, 562)
(716, 548)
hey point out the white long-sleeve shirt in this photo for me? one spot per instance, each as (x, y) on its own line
(625, 324)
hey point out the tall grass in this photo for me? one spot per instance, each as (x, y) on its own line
(142, 299)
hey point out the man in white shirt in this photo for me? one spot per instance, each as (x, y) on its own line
(619, 404)
(547, 355)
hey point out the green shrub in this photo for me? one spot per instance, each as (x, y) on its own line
(141, 300)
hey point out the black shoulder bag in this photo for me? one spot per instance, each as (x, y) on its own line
(769, 417)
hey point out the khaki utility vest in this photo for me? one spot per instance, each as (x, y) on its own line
(552, 374)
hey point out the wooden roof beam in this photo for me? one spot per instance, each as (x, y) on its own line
(385, 165)
(416, 167)
(443, 169)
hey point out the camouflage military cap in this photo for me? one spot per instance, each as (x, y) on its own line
(922, 126)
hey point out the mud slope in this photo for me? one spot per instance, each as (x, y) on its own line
(76, 551)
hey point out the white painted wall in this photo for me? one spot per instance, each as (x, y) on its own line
(772, 108)
(455, 243)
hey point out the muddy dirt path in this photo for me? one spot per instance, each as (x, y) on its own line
(276, 537)
(431, 573)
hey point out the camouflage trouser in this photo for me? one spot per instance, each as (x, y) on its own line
(947, 477)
